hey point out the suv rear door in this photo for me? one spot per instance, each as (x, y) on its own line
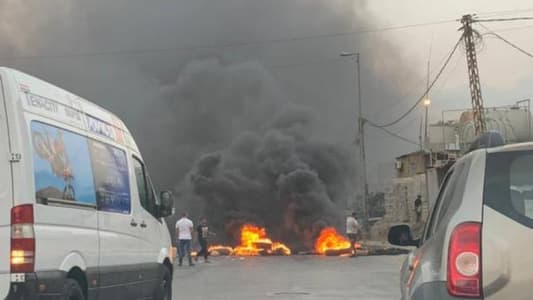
(6, 199)
(507, 236)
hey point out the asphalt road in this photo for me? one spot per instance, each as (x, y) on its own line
(295, 277)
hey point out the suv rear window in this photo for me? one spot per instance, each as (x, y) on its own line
(509, 185)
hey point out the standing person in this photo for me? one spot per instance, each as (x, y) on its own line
(352, 230)
(418, 208)
(184, 231)
(203, 233)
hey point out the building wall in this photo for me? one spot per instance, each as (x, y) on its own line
(411, 164)
(400, 204)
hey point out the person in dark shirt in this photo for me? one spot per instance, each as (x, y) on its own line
(418, 208)
(203, 233)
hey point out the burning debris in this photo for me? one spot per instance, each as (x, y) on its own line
(281, 178)
(220, 250)
(254, 242)
(331, 243)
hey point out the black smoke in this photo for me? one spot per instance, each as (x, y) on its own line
(262, 131)
(279, 177)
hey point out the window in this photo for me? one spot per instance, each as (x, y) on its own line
(454, 193)
(145, 188)
(509, 185)
(62, 167)
(450, 196)
(70, 169)
(432, 219)
(521, 185)
(111, 177)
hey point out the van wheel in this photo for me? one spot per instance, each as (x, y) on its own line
(72, 290)
(164, 289)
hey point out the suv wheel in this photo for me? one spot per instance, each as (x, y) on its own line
(72, 290)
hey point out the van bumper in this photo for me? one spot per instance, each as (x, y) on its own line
(37, 286)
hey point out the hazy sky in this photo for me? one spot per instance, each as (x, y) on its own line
(505, 73)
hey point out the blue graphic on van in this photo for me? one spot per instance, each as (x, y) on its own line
(101, 128)
(62, 167)
(111, 177)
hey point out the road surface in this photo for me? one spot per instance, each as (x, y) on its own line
(294, 277)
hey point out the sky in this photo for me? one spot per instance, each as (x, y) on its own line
(187, 98)
(505, 73)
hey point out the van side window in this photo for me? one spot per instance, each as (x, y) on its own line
(111, 177)
(62, 168)
(144, 188)
(71, 169)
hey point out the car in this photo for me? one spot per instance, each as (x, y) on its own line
(79, 218)
(477, 237)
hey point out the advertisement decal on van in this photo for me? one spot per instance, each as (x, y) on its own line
(111, 177)
(70, 168)
(62, 167)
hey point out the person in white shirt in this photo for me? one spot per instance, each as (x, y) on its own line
(184, 232)
(352, 230)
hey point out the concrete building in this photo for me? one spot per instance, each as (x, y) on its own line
(420, 172)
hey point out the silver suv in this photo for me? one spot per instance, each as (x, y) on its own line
(478, 239)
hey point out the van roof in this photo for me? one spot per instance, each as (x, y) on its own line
(96, 116)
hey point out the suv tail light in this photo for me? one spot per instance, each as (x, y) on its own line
(22, 239)
(464, 261)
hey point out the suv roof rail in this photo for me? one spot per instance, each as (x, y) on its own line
(487, 140)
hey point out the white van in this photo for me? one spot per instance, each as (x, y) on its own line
(79, 218)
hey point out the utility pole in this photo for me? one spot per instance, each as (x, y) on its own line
(362, 143)
(473, 74)
(361, 134)
(427, 150)
(427, 103)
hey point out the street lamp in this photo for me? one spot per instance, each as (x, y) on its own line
(348, 54)
(361, 132)
(427, 103)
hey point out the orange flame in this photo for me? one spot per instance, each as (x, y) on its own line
(330, 239)
(254, 242)
(220, 250)
(279, 248)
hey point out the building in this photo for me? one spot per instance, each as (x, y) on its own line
(420, 172)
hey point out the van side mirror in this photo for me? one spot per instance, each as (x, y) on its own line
(400, 235)
(166, 208)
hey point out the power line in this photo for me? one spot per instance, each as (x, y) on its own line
(400, 100)
(310, 63)
(504, 19)
(505, 12)
(507, 41)
(227, 45)
(515, 28)
(393, 134)
(428, 88)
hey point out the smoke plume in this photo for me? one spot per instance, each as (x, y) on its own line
(260, 132)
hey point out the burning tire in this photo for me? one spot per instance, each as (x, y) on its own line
(338, 252)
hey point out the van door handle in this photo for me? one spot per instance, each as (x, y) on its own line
(133, 223)
(143, 225)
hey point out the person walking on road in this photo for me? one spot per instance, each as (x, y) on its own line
(352, 230)
(203, 233)
(418, 208)
(184, 228)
